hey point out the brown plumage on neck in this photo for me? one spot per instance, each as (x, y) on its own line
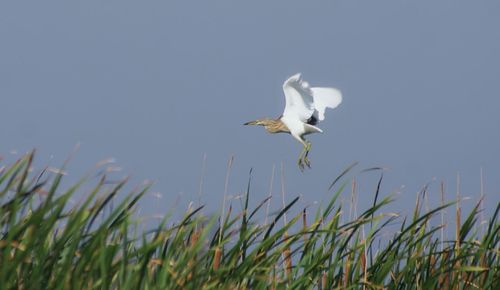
(271, 125)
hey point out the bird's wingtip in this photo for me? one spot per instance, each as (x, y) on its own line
(294, 78)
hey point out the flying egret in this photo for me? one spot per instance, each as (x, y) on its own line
(304, 108)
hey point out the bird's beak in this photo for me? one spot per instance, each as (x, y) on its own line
(251, 123)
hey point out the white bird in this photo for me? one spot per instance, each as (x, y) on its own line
(304, 108)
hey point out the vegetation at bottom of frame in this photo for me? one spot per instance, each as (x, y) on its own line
(48, 241)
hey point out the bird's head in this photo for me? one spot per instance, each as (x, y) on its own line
(259, 122)
(271, 125)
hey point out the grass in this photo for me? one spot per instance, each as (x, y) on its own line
(48, 242)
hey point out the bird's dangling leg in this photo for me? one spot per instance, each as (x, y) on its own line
(306, 153)
(300, 162)
(303, 159)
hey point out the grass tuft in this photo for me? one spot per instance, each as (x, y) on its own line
(47, 241)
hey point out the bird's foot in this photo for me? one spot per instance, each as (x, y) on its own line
(307, 162)
(303, 159)
(303, 162)
(300, 163)
(306, 154)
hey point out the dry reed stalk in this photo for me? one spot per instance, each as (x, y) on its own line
(347, 271)
(193, 239)
(195, 236)
(178, 280)
(442, 212)
(190, 265)
(481, 208)
(444, 278)
(457, 228)
(226, 183)
(467, 278)
(363, 266)
(153, 264)
(270, 195)
(287, 256)
(484, 275)
(273, 279)
(352, 208)
(202, 177)
(417, 202)
(339, 284)
(286, 252)
(458, 211)
(323, 280)
(283, 192)
(217, 258)
(433, 264)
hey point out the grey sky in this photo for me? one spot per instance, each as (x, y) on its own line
(157, 84)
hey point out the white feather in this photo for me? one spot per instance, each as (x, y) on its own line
(303, 102)
(325, 98)
(299, 102)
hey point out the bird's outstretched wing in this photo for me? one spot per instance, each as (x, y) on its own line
(302, 102)
(325, 98)
(298, 98)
